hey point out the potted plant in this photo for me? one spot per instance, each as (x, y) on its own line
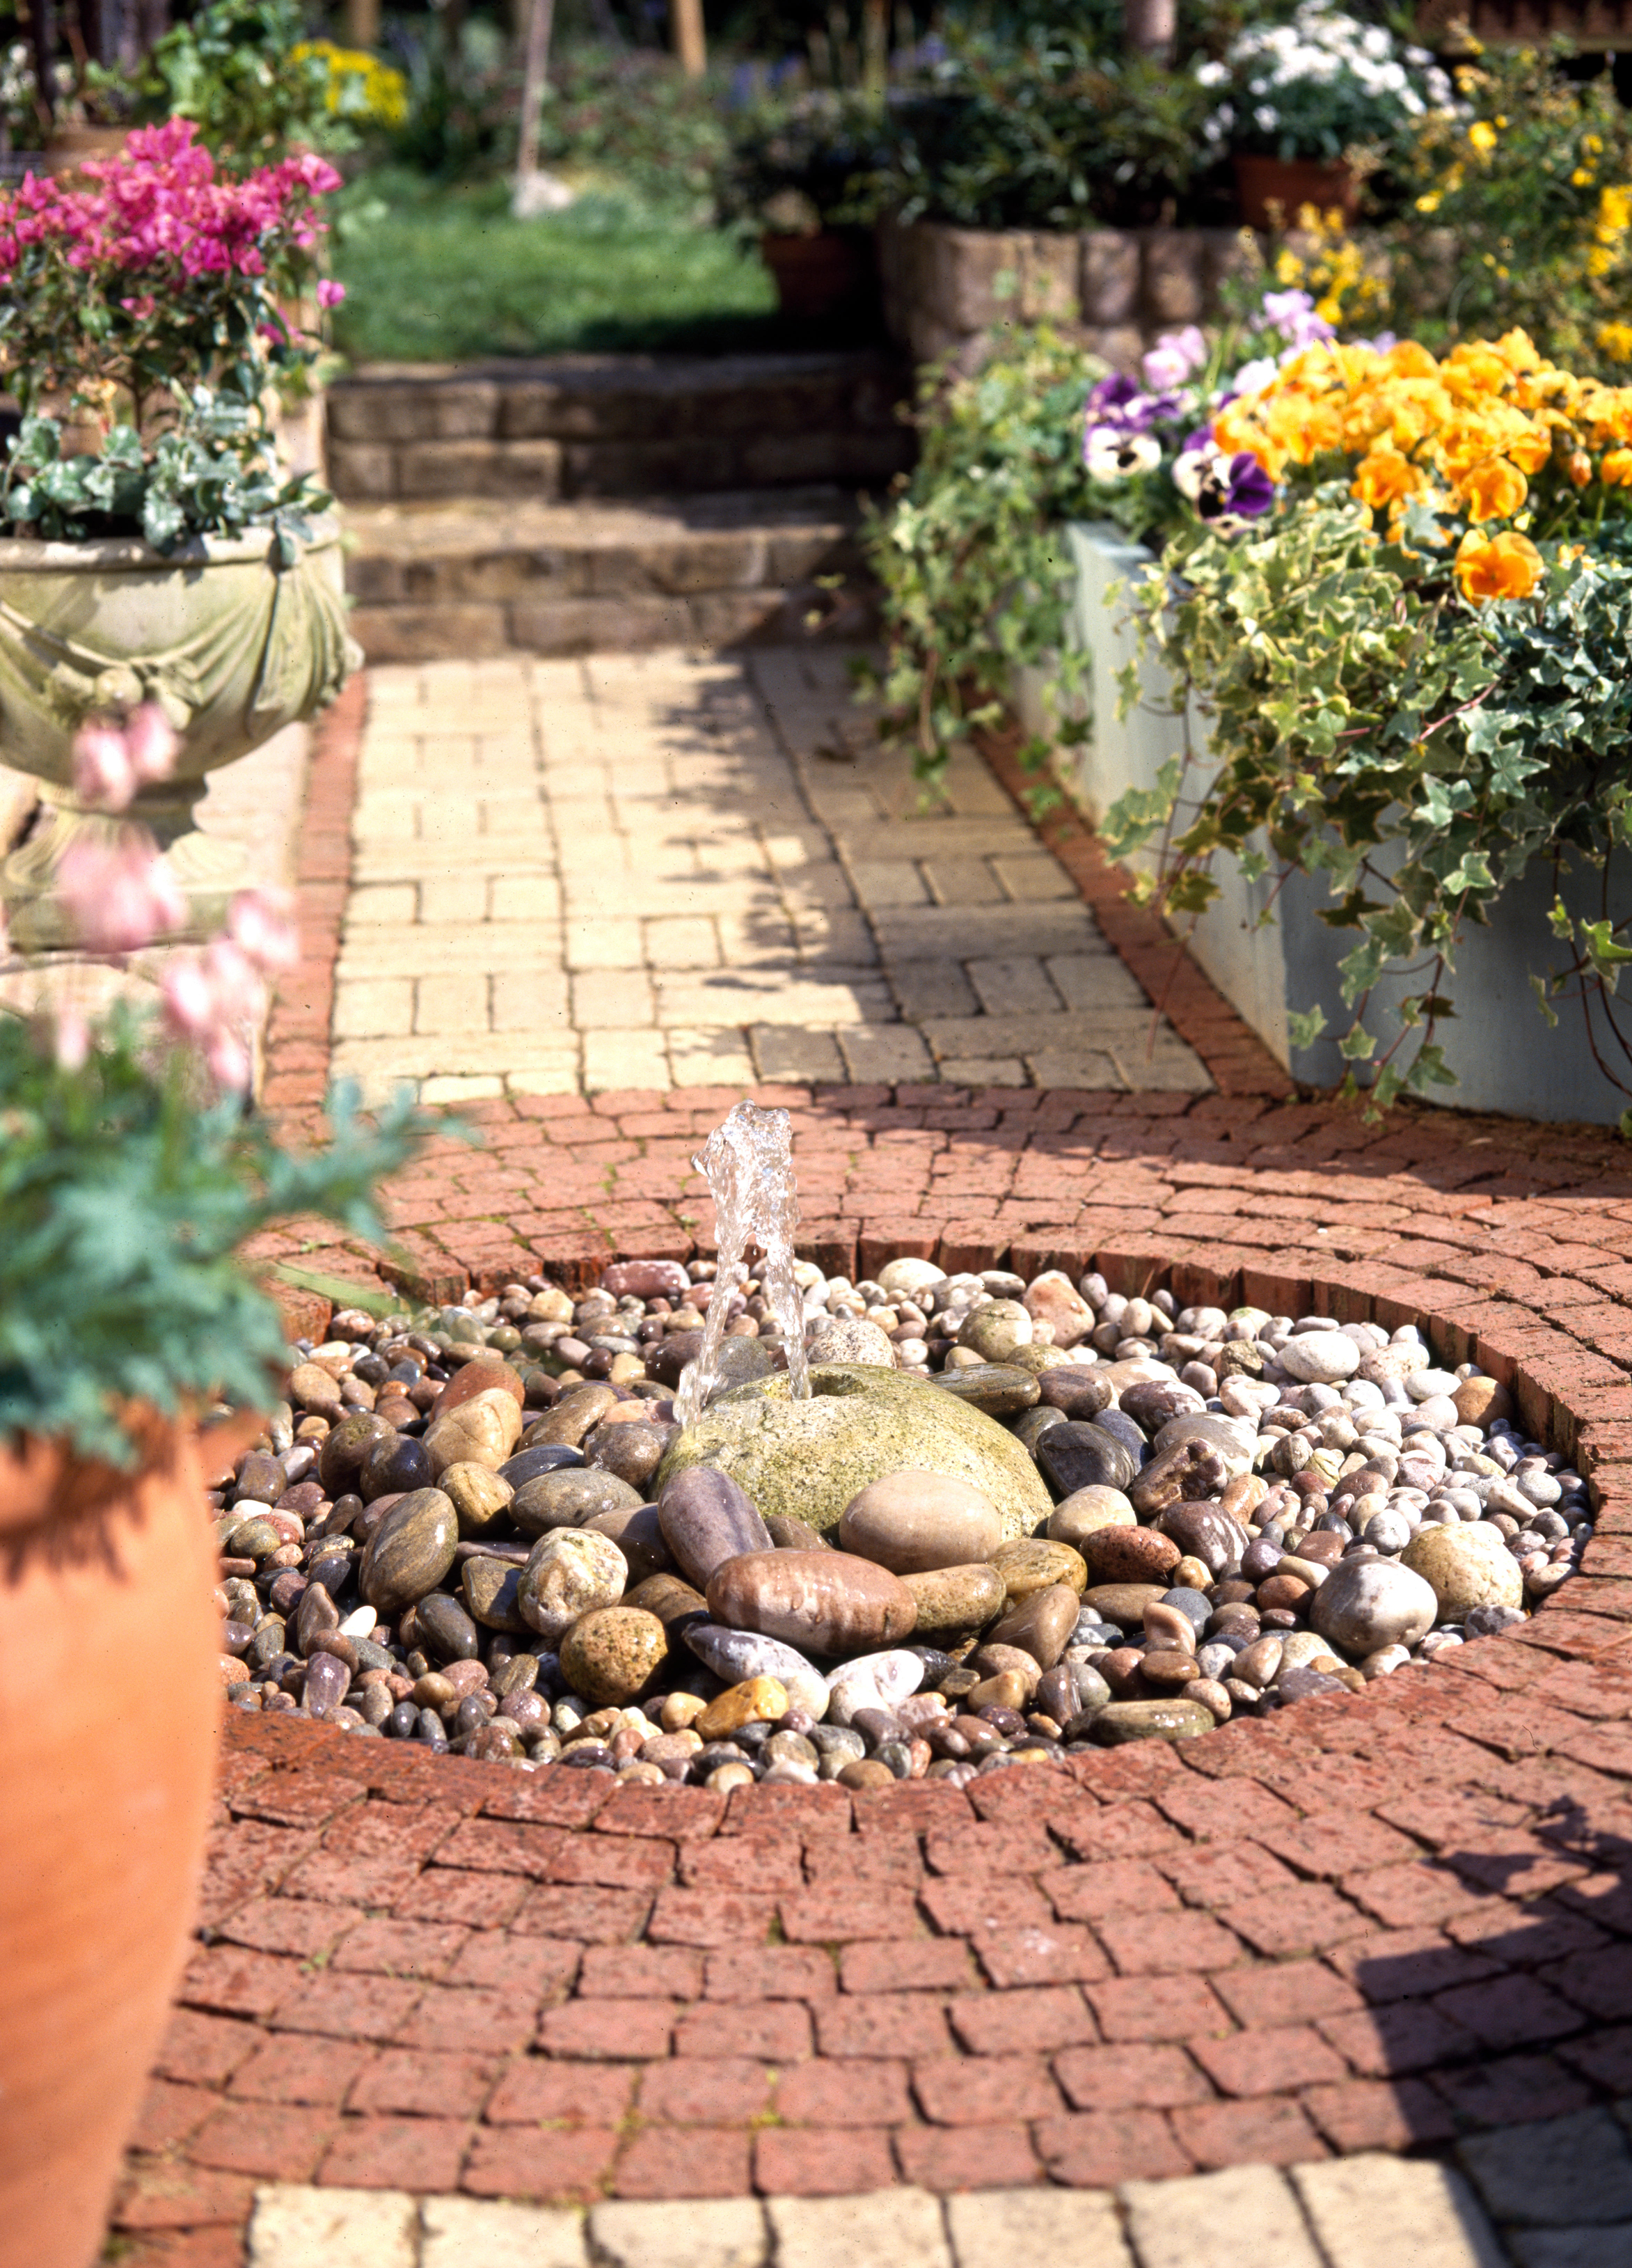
(1306, 107)
(1376, 742)
(133, 1341)
(170, 560)
(803, 174)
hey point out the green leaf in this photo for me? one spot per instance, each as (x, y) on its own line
(1305, 1028)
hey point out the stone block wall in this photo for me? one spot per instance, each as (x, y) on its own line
(1115, 289)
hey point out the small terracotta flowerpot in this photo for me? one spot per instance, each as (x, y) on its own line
(110, 1699)
(1290, 183)
(828, 278)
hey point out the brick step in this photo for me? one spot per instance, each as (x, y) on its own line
(616, 425)
(475, 578)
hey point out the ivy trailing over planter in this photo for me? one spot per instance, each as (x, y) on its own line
(1368, 724)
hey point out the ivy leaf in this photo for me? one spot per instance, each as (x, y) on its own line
(1539, 987)
(1357, 1045)
(1305, 1028)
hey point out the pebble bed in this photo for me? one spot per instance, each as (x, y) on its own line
(448, 1534)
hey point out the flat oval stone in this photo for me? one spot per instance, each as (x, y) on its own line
(1085, 1511)
(1075, 1456)
(574, 1416)
(1034, 1565)
(491, 1588)
(1082, 1392)
(1320, 1357)
(738, 1656)
(756, 1701)
(1052, 1299)
(612, 1653)
(409, 1553)
(669, 1356)
(340, 1458)
(956, 1598)
(707, 1519)
(830, 1602)
(995, 1330)
(445, 1630)
(570, 1498)
(324, 1684)
(874, 1681)
(480, 1499)
(313, 1388)
(396, 1466)
(1164, 1720)
(633, 1451)
(636, 1531)
(1029, 1428)
(1234, 1439)
(1001, 1389)
(671, 1601)
(1122, 1604)
(1129, 1555)
(482, 1431)
(791, 1534)
(569, 1573)
(1041, 1625)
(544, 1457)
(1186, 1471)
(260, 1479)
(911, 1522)
(474, 1378)
(1151, 1402)
(1206, 1533)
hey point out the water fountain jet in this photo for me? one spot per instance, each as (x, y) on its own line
(748, 1162)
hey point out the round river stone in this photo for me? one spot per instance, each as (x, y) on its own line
(612, 1653)
(1367, 1604)
(911, 1522)
(810, 1459)
(707, 1518)
(1034, 1563)
(1075, 1455)
(480, 1497)
(739, 1655)
(1468, 1565)
(569, 1572)
(567, 1498)
(956, 1598)
(1086, 1510)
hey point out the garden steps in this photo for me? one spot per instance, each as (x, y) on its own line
(473, 578)
(574, 426)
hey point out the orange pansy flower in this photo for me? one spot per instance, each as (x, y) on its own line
(1509, 566)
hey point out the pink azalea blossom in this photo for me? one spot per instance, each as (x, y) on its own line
(258, 922)
(104, 776)
(214, 1000)
(120, 895)
(152, 743)
(71, 1040)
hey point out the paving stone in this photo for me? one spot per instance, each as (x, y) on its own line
(456, 2231)
(1555, 2172)
(1244, 2210)
(1033, 2226)
(708, 2233)
(902, 2226)
(1370, 2210)
(292, 2227)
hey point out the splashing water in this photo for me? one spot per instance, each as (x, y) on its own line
(748, 1164)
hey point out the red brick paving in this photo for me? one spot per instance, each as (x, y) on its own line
(1395, 1916)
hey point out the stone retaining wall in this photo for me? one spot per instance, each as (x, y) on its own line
(944, 288)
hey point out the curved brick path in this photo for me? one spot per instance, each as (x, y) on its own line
(1394, 1920)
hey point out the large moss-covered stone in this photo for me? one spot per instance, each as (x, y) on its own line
(807, 1460)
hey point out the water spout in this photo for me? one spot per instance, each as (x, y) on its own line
(748, 1164)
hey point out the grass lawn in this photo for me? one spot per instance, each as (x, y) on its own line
(438, 273)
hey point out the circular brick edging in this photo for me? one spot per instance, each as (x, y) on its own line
(1376, 1920)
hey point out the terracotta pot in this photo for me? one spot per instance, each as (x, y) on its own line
(110, 1701)
(1289, 182)
(823, 277)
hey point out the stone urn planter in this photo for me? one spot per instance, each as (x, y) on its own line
(108, 1792)
(1504, 1054)
(235, 636)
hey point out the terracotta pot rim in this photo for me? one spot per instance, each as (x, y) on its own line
(48, 1490)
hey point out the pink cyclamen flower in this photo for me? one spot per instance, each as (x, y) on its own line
(258, 923)
(214, 1000)
(120, 895)
(105, 778)
(150, 739)
(329, 294)
(1173, 359)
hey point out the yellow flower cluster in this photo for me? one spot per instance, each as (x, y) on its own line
(1471, 435)
(359, 85)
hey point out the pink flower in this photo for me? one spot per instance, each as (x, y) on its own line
(228, 1059)
(105, 778)
(152, 743)
(120, 895)
(71, 1040)
(214, 1000)
(329, 294)
(258, 923)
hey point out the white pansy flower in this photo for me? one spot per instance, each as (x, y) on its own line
(1111, 456)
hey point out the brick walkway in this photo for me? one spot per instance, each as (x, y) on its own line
(655, 870)
(1395, 1921)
